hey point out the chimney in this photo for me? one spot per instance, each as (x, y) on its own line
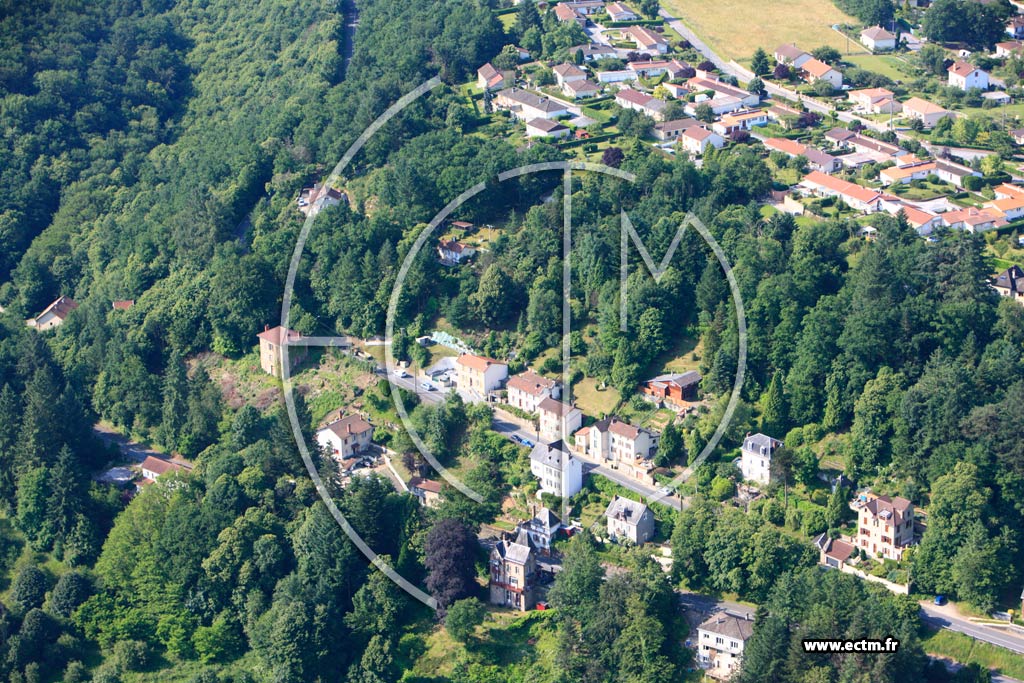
(266, 328)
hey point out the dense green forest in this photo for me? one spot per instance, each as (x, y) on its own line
(153, 151)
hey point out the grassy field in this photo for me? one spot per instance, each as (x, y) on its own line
(732, 30)
(594, 401)
(966, 650)
(888, 65)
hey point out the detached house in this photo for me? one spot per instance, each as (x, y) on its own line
(427, 491)
(566, 14)
(625, 447)
(720, 643)
(453, 252)
(479, 375)
(1010, 283)
(545, 128)
(542, 529)
(856, 196)
(646, 40)
(53, 315)
(816, 70)
(346, 437)
(925, 112)
(756, 457)
(629, 520)
(527, 389)
(877, 39)
(490, 78)
(566, 73)
(696, 140)
(674, 389)
(153, 467)
(557, 471)
(619, 12)
(791, 55)
(313, 200)
(885, 526)
(271, 341)
(875, 101)
(966, 76)
(627, 98)
(525, 106)
(557, 420)
(513, 569)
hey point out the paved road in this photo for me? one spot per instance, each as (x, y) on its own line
(947, 618)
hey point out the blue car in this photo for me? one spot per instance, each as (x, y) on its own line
(528, 443)
(516, 438)
(940, 600)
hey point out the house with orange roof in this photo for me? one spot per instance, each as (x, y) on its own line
(924, 111)
(696, 140)
(816, 70)
(965, 76)
(875, 101)
(346, 437)
(479, 375)
(490, 78)
(856, 196)
(816, 159)
(741, 120)
(271, 341)
(646, 40)
(1008, 191)
(908, 173)
(922, 221)
(973, 220)
(53, 315)
(526, 390)
(1011, 209)
(877, 39)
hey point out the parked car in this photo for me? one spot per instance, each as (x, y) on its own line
(516, 438)
(528, 443)
(940, 600)
(426, 386)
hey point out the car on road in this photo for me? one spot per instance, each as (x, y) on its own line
(528, 443)
(940, 600)
(516, 438)
(665, 491)
(402, 374)
(427, 386)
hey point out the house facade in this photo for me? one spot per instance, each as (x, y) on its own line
(152, 467)
(490, 78)
(427, 491)
(674, 389)
(479, 375)
(965, 76)
(885, 526)
(557, 471)
(543, 529)
(924, 111)
(513, 569)
(527, 389)
(271, 341)
(756, 457)
(346, 437)
(557, 420)
(877, 39)
(629, 520)
(53, 315)
(1010, 283)
(720, 643)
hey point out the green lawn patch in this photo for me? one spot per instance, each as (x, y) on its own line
(967, 650)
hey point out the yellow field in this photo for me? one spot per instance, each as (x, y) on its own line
(735, 28)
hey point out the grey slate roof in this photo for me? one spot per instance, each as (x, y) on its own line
(551, 454)
(729, 626)
(629, 511)
(761, 444)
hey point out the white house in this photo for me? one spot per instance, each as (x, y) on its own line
(820, 71)
(453, 252)
(54, 314)
(720, 643)
(696, 140)
(478, 374)
(525, 106)
(542, 529)
(527, 389)
(490, 78)
(618, 12)
(566, 73)
(557, 420)
(965, 76)
(756, 457)
(152, 467)
(546, 128)
(558, 472)
(345, 437)
(877, 39)
(924, 111)
(791, 55)
(646, 40)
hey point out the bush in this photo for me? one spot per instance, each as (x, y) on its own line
(972, 183)
(463, 617)
(131, 655)
(722, 488)
(773, 513)
(814, 521)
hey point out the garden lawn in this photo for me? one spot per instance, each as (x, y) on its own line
(889, 66)
(735, 29)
